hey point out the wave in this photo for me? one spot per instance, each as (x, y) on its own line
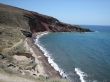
(81, 74)
(46, 53)
(96, 31)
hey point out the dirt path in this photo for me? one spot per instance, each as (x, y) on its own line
(15, 45)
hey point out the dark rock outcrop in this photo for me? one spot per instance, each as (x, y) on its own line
(26, 33)
(33, 21)
(2, 56)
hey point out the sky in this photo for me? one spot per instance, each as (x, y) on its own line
(82, 12)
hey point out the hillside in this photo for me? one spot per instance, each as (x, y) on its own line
(16, 27)
(34, 21)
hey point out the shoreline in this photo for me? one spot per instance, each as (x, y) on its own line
(47, 55)
(52, 63)
(45, 67)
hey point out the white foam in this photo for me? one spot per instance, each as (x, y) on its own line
(96, 31)
(81, 74)
(48, 55)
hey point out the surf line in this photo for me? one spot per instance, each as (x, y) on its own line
(81, 74)
(46, 53)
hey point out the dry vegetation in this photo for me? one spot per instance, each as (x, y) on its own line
(11, 44)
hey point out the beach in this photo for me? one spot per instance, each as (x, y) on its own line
(44, 68)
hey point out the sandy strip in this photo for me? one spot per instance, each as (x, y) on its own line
(31, 48)
(43, 65)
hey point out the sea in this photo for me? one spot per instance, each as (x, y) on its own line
(79, 57)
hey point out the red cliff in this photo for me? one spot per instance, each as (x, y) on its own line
(34, 21)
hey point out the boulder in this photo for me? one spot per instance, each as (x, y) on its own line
(26, 33)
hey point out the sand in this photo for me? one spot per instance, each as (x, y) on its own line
(44, 67)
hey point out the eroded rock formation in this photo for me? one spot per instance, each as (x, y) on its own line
(34, 21)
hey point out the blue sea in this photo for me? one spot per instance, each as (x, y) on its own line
(82, 57)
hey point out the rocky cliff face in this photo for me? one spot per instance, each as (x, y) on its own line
(38, 22)
(33, 21)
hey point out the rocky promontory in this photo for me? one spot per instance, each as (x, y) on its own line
(34, 21)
